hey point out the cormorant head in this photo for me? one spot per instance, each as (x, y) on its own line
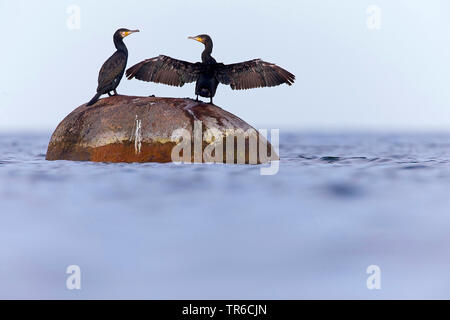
(203, 38)
(122, 33)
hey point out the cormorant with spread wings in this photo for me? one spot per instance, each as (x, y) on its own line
(208, 73)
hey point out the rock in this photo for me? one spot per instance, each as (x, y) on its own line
(147, 129)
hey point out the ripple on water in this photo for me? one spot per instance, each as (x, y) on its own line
(415, 167)
(330, 159)
(344, 190)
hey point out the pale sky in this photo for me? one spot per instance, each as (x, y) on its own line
(348, 76)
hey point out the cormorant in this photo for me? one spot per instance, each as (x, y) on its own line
(208, 73)
(113, 69)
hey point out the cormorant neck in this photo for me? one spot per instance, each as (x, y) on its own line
(120, 46)
(206, 55)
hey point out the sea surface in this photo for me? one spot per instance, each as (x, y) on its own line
(339, 204)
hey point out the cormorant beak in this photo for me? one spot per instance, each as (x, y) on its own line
(127, 33)
(196, 39)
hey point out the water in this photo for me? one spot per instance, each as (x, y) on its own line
(339, 204)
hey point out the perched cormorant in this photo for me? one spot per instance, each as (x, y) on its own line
(208, 73)
(113, 69)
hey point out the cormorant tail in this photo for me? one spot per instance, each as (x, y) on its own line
(94, 99)
(205, 92)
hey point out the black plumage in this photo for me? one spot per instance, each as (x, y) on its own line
(113, 69)
(208, 73)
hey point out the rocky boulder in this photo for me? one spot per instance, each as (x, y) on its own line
(151, 129)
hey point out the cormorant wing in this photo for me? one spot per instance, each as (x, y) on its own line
(166, 70)
(253, 74)
(111, 69)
